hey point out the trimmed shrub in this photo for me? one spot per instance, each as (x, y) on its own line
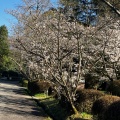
(114, 87)
(85, 99)
(113, 111)
(10, 75)
(91, 81)
(102, 104)
(39, 86)
(4, 74)
(103, 85)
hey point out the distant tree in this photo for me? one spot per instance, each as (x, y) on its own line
(108, 6)
(89, 11)
(83, 11)
(4, 48)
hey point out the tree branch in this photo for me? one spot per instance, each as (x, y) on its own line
(28, 51)
(112, 7)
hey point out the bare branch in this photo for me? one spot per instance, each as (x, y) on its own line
(112, 7)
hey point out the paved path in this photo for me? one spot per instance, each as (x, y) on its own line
(15, 105)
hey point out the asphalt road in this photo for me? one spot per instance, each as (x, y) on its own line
(16, 105)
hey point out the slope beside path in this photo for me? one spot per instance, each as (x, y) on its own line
(16, 105)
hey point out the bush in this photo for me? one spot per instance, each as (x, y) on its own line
(113, 111)
(114, 87)
(102, 104)
(4, 74)
(85, 99)
(91, 81)
(11, 75)
(103, 85)
(39, 86)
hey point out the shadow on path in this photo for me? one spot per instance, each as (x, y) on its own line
(13, 100)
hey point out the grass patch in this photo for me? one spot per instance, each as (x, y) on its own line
(86, 116)
(48, 118)
(52, 106)
(54, 109)
(41, 96)
(81, 116)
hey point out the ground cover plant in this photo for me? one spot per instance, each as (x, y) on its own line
(80, 116)
(52, 107)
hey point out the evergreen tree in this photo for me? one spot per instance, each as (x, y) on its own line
(81, 10)
(109, 7)
(4, 48)
(88, 11)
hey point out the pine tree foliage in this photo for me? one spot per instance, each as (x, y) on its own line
(89, 11)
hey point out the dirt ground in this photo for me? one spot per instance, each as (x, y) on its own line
(16, 105)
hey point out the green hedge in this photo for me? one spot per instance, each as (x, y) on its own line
(113, 111)
(101, 105)
(91, 81)
(114, 87)
(39, 86)
(85, 99)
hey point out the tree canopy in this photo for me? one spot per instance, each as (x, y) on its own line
(88, 11)
(4, 47)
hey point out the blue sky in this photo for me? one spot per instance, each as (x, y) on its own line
(5, 18)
